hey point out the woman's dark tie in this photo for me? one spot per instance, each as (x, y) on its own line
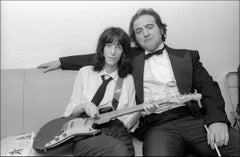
(101, 91)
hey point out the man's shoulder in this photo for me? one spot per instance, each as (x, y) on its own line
(182, 51)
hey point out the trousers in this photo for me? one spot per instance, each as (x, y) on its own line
(114, 140)
(179, 136)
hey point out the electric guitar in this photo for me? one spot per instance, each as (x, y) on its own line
(60, 130)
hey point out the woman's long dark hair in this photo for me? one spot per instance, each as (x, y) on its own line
(110, 35)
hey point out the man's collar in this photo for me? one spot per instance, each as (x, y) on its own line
(159, 48)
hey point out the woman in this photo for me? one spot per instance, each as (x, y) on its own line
(112, 61)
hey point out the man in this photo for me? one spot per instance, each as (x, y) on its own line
(174, 128)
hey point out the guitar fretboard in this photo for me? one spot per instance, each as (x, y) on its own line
(120, 112)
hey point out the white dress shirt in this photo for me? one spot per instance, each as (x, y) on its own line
(87, 83)
(159, 80)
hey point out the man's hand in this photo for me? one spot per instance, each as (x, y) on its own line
(149, 108)
(54, 65)
(91, 109)
(218, 133)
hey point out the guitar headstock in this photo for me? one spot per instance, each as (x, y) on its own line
(184, 98)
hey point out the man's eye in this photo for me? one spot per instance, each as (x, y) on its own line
(150, 27)
(138, 31)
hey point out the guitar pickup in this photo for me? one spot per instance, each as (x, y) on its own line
(64, 127)
(71, 125)
(64, 134)
(56, 138)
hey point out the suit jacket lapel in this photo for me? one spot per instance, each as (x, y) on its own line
(182, 69)
(138, 69)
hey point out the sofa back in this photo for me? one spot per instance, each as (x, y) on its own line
(31, 98)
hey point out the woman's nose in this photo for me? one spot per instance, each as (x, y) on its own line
(113, 50)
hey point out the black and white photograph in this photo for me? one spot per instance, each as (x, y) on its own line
(120, 78)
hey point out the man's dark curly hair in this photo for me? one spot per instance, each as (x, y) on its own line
(157, 18)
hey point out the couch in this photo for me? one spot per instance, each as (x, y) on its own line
(31, 98)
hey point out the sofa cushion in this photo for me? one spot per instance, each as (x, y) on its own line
(12, 82)
(45, 96)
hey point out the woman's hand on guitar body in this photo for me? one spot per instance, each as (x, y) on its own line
(91, 109)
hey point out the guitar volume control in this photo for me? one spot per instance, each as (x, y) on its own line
(64, 134)
(56, 138)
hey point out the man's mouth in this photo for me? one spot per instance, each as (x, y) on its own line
(147, 40)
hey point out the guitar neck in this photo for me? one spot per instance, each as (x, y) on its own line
(176, 99)
(120, 112)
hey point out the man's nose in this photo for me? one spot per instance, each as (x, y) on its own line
(145, 33)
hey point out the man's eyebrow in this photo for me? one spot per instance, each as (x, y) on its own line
(149, 24)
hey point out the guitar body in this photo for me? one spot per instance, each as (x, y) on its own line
(61, 130)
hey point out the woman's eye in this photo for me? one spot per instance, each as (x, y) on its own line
(119, 47)
(108, 45)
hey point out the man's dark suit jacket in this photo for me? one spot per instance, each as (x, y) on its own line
(189, 74)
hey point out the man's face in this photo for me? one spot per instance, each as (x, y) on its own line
(148, 34)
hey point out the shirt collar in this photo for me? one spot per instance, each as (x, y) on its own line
(159, 48)
(114, 74)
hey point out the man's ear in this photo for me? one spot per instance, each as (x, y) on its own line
(161, 31)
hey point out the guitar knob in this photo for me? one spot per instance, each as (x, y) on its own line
(56, 138)
(64, 134)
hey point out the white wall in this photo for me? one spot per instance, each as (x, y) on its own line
(35, 32)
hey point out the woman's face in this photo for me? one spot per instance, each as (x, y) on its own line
(112, 53)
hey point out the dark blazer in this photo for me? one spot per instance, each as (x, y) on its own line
(189, 74)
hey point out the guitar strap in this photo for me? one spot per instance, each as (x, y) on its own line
(117, 93)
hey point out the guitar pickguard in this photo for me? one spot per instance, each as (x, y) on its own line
(61, 130)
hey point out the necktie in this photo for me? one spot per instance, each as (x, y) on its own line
(158, 52)
(101, 91)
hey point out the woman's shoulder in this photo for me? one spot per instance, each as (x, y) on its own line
(129, 78)
(88, 68)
